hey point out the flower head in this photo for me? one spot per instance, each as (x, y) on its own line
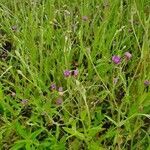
(60, 91)
(53, 86)
(116, 59)
(59, 101)
(67, 73)
(146, 82)
(128, 55)
(75, 73)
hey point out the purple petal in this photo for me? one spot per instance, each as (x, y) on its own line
(67, 73)
(116, 59)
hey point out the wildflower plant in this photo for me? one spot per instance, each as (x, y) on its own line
(74, 75)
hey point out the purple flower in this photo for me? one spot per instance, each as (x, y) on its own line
(59, 101)
(75, 73)
(60, 89)
(128, 55)
(67, 73)
(116, 59)
(146, 83)
(85, 18)
(53, 86)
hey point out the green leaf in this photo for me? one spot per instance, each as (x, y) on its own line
(19, 144)
(21, 131)
(94, 146)
(83, 114)
(75, 144)
(114, 122)
(28, 146)
(102, 68)
(93, 131)
(74, 133)
(80, 135)
(35, 134)
(45, 144)
(69, 130)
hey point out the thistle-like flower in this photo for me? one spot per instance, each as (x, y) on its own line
(53, 86)
(67, 73)
(116, 59)
(59, 101)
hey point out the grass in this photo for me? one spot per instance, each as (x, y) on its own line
(106, 106)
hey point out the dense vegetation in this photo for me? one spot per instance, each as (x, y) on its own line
(74, 74)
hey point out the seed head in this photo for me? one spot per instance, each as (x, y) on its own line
(75, 73)
(13, 94)
(128, 55)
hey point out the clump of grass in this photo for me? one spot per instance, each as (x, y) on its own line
(74, 74)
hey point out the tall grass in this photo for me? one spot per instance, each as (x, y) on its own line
(105, 105)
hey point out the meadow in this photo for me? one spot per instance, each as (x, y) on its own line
(74, 75)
